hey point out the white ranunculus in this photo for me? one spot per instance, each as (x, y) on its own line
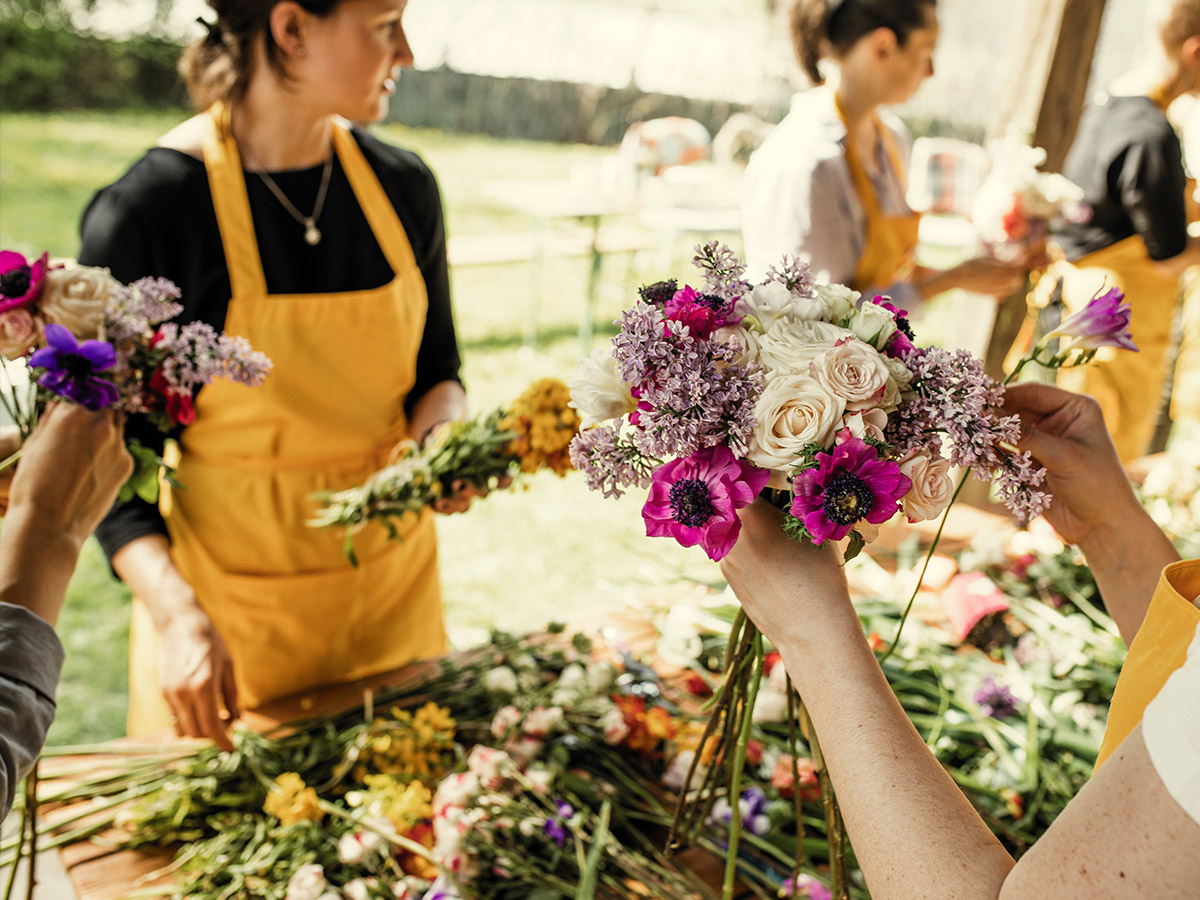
(840, 302)
(931, 489)
(75, 297)
(854, 371)
(500, 680)
(598, 392)
(900, 372)
(766, 303)
(794, 410)
(866, 423)
(745, 340)
(873, 324)
(307, 883)
(790, 344)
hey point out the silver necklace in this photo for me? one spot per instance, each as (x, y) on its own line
(312, 234)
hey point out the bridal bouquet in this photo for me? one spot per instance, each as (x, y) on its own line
(533, 433)
(1017, 204)
(709, 395)
(88, 339)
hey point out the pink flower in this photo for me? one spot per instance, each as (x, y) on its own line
(701, 313)
(1104, 322)
(20, 280)
(695, 499)
(849, 485)
(20, 332)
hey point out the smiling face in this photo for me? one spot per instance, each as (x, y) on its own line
(352, 57)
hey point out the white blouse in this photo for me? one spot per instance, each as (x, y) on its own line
(799, 199)
(1171, 730)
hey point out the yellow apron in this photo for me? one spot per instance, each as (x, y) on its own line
(292, 611)
(1128, 386)
(1158, 649)
(890, 243)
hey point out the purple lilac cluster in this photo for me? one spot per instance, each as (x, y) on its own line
(995, 699)
(794, 274)
(956, 400)
(609, 463)
(723, 271)
(198, 354)
(134, 311)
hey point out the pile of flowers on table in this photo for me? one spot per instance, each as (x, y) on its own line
(88, 339)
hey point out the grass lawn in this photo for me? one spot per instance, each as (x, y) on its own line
(518, 560)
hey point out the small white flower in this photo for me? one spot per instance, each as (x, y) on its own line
(307, 883)
(873, 324)
(500, 680)
(598, 392)
(529, 682)
(770, 706)
(540, 779)
(542, 720)
(677, 771)
(840, 302)
(601, 675)
(356, 890)
(351, 850)
(615, 729)
(506, 718)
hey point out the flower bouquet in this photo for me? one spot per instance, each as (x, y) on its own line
(709, 396)
(88, 339)
(1017, 204)
(533, 433)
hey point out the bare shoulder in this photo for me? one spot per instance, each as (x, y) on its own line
(188, 136)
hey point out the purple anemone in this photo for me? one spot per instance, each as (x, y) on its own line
(847, 486)
(71, 367)
(1104, 322)
(695, 499)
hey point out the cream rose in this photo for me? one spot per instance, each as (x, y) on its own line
(900, 372)
(855, 372)
(873, 324)
(791, 344)
(19, 332)
(744, 340)
(931, 489)
(795, 410)
(598, 392)
(75, 297)
(840, 302)
(866, 423)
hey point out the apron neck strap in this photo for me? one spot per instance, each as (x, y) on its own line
(858, 173)
(227, 184)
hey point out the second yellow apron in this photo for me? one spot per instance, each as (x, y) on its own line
(292, 611)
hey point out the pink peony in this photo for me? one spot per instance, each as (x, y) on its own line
(695, 499)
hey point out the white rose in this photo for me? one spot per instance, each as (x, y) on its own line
(794, 411)
(855, 372)
(506, 718)
(598, 392)
(500, 680)
(931, 486)
(454, 792)
(307, 883)
(899, 371)
(20, 332)
(542, 720)
(873, 324)
(75, 297)
(744, 340)
(840, 302)
(791, 344)
(866, 423)
(489, 765)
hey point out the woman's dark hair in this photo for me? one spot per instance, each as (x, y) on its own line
(217, 67)
(819, 26)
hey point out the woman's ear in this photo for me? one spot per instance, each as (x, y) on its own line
(289, 27)
(883, 43)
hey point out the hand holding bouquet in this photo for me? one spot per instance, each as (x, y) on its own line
(90, 340)
(533, 433)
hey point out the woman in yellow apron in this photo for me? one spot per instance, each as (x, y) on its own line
(324, 248)
(1128, 160)
(829, 182)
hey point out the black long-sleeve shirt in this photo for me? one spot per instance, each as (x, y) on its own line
(159, 220)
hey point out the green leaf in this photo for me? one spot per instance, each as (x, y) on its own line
(855, 547)
(590, 876)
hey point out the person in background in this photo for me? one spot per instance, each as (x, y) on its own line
(1127, 158)
(70, 471)
(828, 184)
(1134, 829)
(324, 247)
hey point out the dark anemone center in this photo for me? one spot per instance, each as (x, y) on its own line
(690, 502)
(847, 498)
(15, 282)
(904, 328)
(77, 366)
(659, 292)
(711, 301)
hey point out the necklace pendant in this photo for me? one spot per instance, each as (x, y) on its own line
(312, 235)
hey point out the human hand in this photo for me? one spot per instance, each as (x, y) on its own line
(196, 675)
(1065, 432)
(70, 471)
(787, 588)
(985, 275)
(462, 492)
(10, 443)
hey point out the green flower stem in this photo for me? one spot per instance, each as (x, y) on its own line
(794, 747)
(22, 825)
(739, 762)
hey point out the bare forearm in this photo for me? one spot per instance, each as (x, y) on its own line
(1126, 560)
(145, 565)
(446, 401)
(911, 827)
(36, 563)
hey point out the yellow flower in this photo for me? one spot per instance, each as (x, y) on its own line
(544, 424)
(403, 805)
(292, 801)
(408, 745)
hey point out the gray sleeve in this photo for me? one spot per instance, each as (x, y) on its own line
(31, 658)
